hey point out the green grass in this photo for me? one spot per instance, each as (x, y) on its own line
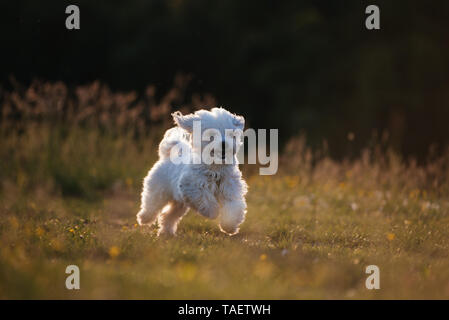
(71, 198)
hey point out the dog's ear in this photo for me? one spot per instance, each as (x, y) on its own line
(185, 122)
(238, 121)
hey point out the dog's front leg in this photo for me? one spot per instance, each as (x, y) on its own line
(233, 209)
(232, 215)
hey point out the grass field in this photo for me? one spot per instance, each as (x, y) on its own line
(70, 197)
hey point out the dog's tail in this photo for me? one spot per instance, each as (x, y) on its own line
(173, 137)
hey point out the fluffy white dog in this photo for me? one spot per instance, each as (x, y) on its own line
(214, 190)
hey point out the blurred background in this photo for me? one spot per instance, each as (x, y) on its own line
(301, 66)
(363, 171)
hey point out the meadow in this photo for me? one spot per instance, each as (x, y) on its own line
(71, 169)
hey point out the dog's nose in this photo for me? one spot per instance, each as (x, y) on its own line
(223, 150)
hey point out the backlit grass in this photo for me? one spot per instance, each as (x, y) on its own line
(71, 196)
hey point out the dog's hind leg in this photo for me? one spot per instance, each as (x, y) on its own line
(152, 204)
(170, 217)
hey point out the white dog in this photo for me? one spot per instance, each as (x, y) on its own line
(213, 190)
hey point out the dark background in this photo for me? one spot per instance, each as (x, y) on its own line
(300, 66)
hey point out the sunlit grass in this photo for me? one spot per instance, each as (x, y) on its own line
(71, 198)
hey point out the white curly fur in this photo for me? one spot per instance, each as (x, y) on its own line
(214, 191)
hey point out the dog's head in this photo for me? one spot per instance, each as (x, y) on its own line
(219, 131)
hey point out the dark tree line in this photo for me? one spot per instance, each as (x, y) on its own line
(295, 65)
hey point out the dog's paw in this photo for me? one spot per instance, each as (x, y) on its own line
(228, 226)
(229, 229)
(166, 233)
(143, 218)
